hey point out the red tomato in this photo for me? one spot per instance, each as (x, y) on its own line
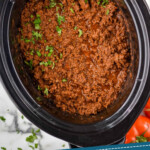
(147, 109)
(140, 131)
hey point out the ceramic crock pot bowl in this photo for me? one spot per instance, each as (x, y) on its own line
(107, 127)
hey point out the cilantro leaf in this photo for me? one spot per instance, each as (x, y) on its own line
(71, 9)
(59, 30)
(64, 80)
(37, 35)
(2, 118)
(46, 91)
(80, 32)
(60, 19)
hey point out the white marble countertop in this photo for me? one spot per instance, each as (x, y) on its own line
(16, 128)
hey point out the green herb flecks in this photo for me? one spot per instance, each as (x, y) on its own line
(48, 63)
(75, 28)
(19, 149)
(37, 22)
(36, 145)
(39, 88)
(80, 32)
(38, 53)
(60, 19)
(31, 147)
(59, 30)
(86, 1)
(32, 52)
(51, 48)
(3, 148)
(37, 131)
(2, 118)
(32, 137)
(28, 40)
(53, 65)
(61, 56)
(64, 80)
(107, 12)
(37, 35)
(39, 99)
(71, 9)
(22, 117)
(63, 145)
(46, 91)
(103, 2)
(52, 3)
(29, 63)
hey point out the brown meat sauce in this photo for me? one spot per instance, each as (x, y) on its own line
(84, 67)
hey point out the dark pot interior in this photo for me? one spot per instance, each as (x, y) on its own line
(47, 104)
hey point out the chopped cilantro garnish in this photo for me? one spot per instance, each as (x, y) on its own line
(43, 63)
(37, 131)
(31, 147)
(63, 145)
(60, 19)
(103, 2)
(80, 32)
(59, 30)
(3, 148)
(46, 63)
(57, 8)
(32, 137)
(36, 145)
(32, 52)
(22, 117)
(86, 1)
(29, 63)
(71, 9)
(19, 149)
(37, 27)
(64, 80)
(46, 91)
(49, 62)
(39, 88)
(107, 12)
(38, 99)
(61, 55)
(60, 4)
(27, 40)
(27, 23)
(37, 22)
(75, 28)
(50, 53)
(53, 65)
(51, 48)
(38, 53)
(52, 3)
(37, 35)
(2, 118)
(31, 16)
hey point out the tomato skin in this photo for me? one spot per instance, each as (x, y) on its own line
(140, 127)
(147, 109)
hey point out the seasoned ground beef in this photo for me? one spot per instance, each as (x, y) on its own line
(77, 51)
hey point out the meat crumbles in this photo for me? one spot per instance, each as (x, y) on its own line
(77, 51)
